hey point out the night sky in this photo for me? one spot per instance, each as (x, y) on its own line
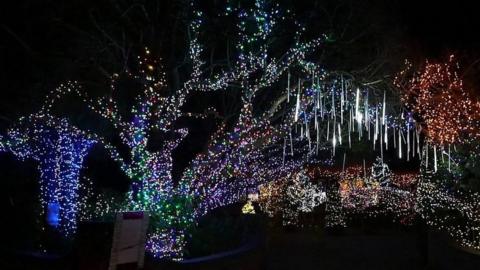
(441, 26)
(39, 40)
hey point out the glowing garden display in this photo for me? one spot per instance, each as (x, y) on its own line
(447, 115)
(237, 160)
(291, 196)
(248, 208)
(260, 147)
(313, 115)
(371, 195)
(454, 212)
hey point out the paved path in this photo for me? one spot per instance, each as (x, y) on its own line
(351, 250)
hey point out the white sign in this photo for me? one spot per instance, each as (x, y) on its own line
(129, 238)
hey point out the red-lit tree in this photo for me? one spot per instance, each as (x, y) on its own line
(436, 94)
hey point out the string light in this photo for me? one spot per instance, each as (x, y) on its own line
(290, 196)
(252, 155)
(435, 92)
(59, 149)
(236, 161)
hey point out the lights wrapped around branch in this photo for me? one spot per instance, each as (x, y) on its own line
(437, 96)
(237, 160)
(59, 149)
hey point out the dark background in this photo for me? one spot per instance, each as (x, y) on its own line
(45, 42)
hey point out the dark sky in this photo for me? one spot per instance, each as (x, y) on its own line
(39, 40)
(438, 26)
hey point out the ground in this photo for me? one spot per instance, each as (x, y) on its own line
(350, 250)
(358, 247)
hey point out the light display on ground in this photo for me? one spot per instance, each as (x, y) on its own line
(402, 196)
(372, 195)
(291, 196)
(448, 208)
(248, 208)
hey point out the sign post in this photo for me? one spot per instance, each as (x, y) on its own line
(129, 238)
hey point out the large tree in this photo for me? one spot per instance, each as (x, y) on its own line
(287, 111)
